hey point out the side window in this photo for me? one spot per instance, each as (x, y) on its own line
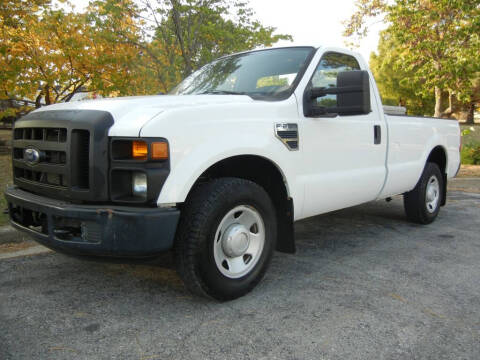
(326, 73)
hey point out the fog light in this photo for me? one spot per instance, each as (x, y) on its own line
(139, 184)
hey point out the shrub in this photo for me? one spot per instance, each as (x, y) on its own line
(470, 154)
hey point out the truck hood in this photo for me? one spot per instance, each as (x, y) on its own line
(131, 113)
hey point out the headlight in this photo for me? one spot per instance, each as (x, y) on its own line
(138, 169)
(139, 184)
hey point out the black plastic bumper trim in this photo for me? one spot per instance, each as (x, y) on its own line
(125, 231)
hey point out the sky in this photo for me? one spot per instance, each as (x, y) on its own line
(310, 22)
(313, 22)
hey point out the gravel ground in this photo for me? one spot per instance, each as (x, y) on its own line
(364, 284)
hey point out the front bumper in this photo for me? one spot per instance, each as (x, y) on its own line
(119, 231)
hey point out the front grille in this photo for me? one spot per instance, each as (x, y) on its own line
(62, 153)
(81, 172)
(51, 156)
(49, 168)
(52, 167)
(41, 177)
(41, 133)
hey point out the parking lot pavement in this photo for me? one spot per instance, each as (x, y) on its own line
(364, 284)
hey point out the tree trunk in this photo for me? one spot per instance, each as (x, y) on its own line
(47, 95)
(450, 110)
(38, 100)
(438, 102)
(471, 113)
(179, 34)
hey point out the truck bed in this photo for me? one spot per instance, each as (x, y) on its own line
(410, 140)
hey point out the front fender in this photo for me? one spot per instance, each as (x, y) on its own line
(189, 168)
(201, 136)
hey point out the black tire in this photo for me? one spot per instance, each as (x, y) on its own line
(415, 201)
(204, 210)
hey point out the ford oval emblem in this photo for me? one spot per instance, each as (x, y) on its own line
(31, 156)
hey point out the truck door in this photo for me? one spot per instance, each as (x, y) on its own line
(343, 156)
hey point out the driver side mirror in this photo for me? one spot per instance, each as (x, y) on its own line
(353, 96)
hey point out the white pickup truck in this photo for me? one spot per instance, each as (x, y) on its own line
(221, 167)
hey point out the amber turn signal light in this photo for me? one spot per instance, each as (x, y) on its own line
(139, 150)
(159, 151)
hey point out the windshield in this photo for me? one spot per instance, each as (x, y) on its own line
(265, 73)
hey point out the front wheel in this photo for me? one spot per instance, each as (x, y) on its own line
(226, 238)
(422, 204)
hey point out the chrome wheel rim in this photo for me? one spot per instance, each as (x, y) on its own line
(432, 195)
(239, 241)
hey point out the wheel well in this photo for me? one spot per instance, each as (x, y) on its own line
(439, 157)
(266, 174)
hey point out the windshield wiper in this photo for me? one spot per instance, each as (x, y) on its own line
(223, 92)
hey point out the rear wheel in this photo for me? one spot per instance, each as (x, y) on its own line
(422, 204)
(226, 238)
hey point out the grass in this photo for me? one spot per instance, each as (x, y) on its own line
(471, 145)
(5, 179)
(473, 136)
(470, 154)
(5, 136)
(5, 174)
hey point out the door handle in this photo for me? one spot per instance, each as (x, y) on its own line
(377, 134)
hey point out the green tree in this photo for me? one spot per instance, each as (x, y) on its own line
(190, 33)
(120, 62)
(438, 40)
(397, 85)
